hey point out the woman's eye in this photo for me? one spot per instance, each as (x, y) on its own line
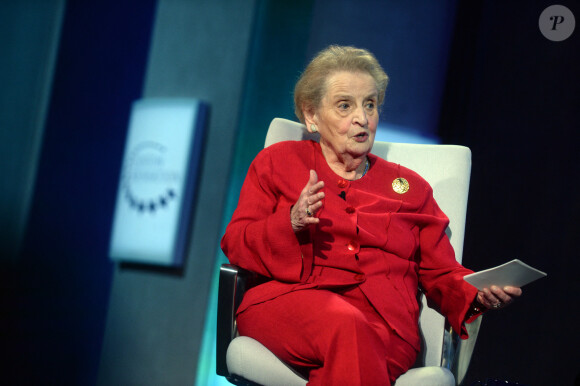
(343, 106)
(370, 105)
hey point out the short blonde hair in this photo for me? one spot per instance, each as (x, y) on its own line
(311, 85)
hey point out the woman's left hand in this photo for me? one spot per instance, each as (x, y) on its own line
(496, 297)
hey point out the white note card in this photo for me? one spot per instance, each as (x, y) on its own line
(514, 273)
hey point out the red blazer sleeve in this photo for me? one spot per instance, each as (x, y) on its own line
(440, 275)
(260, 237)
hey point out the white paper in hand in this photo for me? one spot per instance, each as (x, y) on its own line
(514, 273)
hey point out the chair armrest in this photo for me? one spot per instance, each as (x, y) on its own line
(233, 284)
(464, 351)
(457, 352)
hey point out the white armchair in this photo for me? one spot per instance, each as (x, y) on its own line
(447, 168)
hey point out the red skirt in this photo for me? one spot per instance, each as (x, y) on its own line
(332, 337)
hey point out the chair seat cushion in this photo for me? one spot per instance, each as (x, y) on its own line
(248, 358)
(430, 375)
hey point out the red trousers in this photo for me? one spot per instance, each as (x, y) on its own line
(334, 338)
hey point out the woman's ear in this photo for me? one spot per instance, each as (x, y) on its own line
(310, 117)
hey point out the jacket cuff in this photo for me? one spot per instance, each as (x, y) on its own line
(475, 310)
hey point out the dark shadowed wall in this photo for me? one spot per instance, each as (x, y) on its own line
(512, 96)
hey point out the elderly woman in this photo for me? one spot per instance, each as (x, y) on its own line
(346, 251)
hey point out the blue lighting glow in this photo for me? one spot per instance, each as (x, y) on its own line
(387, 132)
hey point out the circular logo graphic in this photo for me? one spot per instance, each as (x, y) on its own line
(148, 184)
(557, 23)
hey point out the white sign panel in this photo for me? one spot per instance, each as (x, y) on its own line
(158, 178)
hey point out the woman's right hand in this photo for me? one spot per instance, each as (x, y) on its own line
(303, 213)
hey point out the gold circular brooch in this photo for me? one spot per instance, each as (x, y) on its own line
(400, 185)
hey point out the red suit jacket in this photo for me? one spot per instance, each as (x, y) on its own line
(390, 244)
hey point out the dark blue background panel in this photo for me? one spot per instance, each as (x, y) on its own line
(64, 274)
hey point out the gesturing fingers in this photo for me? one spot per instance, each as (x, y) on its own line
(309, 202)
(312, 195)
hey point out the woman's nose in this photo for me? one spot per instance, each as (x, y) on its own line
(360, 116)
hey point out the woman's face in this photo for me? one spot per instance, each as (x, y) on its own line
(348, 116)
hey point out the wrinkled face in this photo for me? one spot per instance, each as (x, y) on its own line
(348, 116)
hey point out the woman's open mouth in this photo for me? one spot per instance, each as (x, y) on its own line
(361, 137)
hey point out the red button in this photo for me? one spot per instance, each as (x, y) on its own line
(350, 210)
(342, 184)
(353, 246)
(359, 277)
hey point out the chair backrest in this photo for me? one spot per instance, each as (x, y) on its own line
(447, 168)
